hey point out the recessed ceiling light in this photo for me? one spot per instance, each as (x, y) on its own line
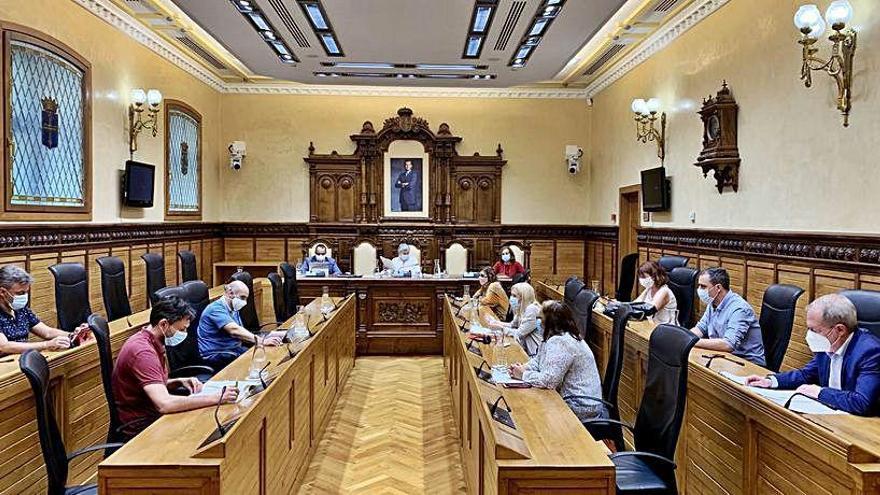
(259, 21)
(269, 35)
(261, 24)
(538, 26)
(361, 65)
(523, 52)
(481, 18)
(446, 67)
(473, 46)
(330, 43)
(547, 11)
(316, 15)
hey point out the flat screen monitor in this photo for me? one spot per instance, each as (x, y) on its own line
(137, 184)
(655, 190)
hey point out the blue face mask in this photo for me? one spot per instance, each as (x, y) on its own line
(514, 302)
(175, 339)
(539, 325)
(505, 257)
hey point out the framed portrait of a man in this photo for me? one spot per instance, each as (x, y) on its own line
(406, 181)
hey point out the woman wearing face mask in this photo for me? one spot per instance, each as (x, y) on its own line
(507, 266)
(652, 277)
(526, 326)
(140, 378)
(493, 300)
(17, 320)
(564, 363)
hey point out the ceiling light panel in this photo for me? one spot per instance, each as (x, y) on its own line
(321, 25)
(401, 75)
(478, 30)
(547, 11)
(261, 24)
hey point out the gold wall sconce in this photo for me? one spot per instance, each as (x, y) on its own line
(809, 21)
(136, 120)
(646, 116)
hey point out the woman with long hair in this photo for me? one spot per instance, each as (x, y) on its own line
(564, 363)
(653, 278)
(493, 300)
(525, 325)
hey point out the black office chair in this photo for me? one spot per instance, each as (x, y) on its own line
(777, 318)
(867, 303)
(115, 432)
(582, 311)
(290, 289)
(155, 265)
(71, 295)
(650, 469)
(188, 266)
(113, 287)
(278, 296)
(627, 277)
(184, 359)
(36, 369)
(573, 287)
(670, 263)
(525, 276)
(250, 319)
(683, 284)
(610, 384)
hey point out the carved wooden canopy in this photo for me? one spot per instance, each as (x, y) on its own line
(351, 188)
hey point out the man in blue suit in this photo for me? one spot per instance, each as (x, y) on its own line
(845, 370)
(320, 259)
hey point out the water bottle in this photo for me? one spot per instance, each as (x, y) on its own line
(499, 352)
(258, 360)
(437, 273)
(326, 302)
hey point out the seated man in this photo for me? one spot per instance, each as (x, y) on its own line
(221, 334)
(140, 377)
(320, 260)
(404, 265)
(845, 370)
(17, 320)
(729, 323)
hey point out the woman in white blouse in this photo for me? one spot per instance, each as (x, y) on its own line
(653, 278)
(525, 325)
(564, 363)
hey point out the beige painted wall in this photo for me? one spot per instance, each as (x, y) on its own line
(118, 64)
(277, 129)
(801, 169)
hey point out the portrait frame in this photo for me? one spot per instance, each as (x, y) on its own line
(398, 153)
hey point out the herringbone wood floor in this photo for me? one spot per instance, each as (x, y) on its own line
(392, 433)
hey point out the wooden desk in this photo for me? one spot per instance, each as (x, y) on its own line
(548, 452)
(268, 449)
(735, 441)
(394, 315)
(80, 409)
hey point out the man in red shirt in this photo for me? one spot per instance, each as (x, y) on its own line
(140, 377)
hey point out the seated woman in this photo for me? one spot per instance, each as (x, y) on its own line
(508, 266)
(525, 325)
(564, 363)
(493, 300)
(653, 278)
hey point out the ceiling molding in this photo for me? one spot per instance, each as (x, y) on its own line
(670, 31)
(124, 22)
(423, 92)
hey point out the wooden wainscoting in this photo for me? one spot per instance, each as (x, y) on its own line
(819, 263)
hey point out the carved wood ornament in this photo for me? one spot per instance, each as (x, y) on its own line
(350, 188)
(720, 152)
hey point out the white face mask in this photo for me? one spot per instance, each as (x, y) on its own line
(320, 257)
(646, 282)
(404, 257)
(817, 343)
(505, 257)
(483, 280)
(175, 339)
(19, 301)
(237, 304)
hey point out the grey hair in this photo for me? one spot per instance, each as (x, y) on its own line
(11, 275)
(403, 247)
(834, 309)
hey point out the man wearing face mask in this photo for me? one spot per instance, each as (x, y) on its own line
(17, 320)
(140, 378)
(404, 265)
(845, 370)
(221, 334)
(729, 323)
(320, 258)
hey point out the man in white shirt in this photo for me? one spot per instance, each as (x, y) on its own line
(845, 370)
(404, 265)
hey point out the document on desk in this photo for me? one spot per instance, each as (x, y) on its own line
(215, 386)
(502, 376)
(799, 404)
(734, 378)
(386, 263)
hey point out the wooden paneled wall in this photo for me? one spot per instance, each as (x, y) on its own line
(820, 264)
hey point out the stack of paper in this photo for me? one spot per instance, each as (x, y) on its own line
(501, 376)
(800, 403)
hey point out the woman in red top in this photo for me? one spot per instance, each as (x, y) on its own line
(508, 266)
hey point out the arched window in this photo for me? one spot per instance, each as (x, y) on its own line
(183, 161)
(46, 129)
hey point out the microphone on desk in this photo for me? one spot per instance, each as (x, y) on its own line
(712, 357)
(220, 427)
(495, 405)
(263, 382)
(290, 353)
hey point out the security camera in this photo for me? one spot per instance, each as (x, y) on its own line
(573, 155)
(237, 152)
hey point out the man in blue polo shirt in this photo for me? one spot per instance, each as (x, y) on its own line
(17, 320)
(221, 334)
(729, 323)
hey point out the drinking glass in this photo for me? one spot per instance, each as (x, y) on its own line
(594, 286)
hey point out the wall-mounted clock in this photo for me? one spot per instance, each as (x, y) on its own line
(720, 153)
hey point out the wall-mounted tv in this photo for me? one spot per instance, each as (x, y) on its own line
(137, 184)
(655, 190)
